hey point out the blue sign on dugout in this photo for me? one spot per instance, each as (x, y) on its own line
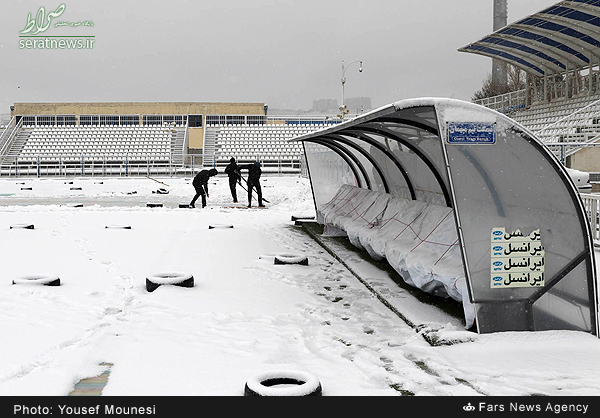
(476, 133)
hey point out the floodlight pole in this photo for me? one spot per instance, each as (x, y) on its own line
(343, 110)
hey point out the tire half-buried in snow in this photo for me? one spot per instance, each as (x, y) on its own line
(38, 279)
(220, 226)
(283, 383)
(175, 278)
(22, 226)
(291, 259)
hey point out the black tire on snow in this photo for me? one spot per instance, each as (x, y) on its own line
(154, 205)
(171, 278)
(299, 217)
(300, 222)
(40, 279)
(219, 226)
(22, 226)
(291, 259)
(266, 384)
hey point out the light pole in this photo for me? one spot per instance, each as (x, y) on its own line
(343, 110)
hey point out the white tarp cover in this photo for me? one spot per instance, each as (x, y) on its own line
(418, 240)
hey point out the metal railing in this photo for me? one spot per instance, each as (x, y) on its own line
(280, 163)
(130, 165)
(505, 103)
(6, 131)
(591, 204)
(8, 136)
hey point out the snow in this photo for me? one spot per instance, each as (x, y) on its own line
(243, 318)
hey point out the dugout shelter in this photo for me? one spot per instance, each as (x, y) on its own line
(465, 203)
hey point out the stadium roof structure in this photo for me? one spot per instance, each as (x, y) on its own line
(561, 38)
(486, 167)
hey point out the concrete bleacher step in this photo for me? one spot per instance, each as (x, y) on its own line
(208, 149)
(571, 120)
(178, 145)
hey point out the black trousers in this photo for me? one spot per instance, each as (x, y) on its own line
(254, 184)
(233, 188)
(199, 192)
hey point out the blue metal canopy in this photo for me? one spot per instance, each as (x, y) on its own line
(566, 35)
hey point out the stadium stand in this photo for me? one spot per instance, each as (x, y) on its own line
(267, 143)
(54, 144)
(113, 138)
(574, 121)
(98, 140)
(125, 138)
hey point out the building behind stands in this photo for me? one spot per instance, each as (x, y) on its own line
(127, 138)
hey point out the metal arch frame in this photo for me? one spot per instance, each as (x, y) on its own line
(527, 69)
(486, 51)
(575, 46)
(350, 132)
(395, 137)
(346, 157)
(577, 37)
(364, 153)
(562, 49)
(565, 19)
(519, 35)
(408, 122)
(541, 58)
(586, 7)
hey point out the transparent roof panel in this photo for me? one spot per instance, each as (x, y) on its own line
(514, 185)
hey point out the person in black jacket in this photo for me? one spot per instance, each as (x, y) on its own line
(233, 171)
(200, 183)
(254, 173)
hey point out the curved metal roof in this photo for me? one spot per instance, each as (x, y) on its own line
(543, 43)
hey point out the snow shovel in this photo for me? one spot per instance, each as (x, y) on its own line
(245, 181)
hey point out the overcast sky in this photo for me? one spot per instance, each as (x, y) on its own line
(285, 53)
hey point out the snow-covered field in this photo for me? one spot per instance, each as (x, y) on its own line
(244, 315)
